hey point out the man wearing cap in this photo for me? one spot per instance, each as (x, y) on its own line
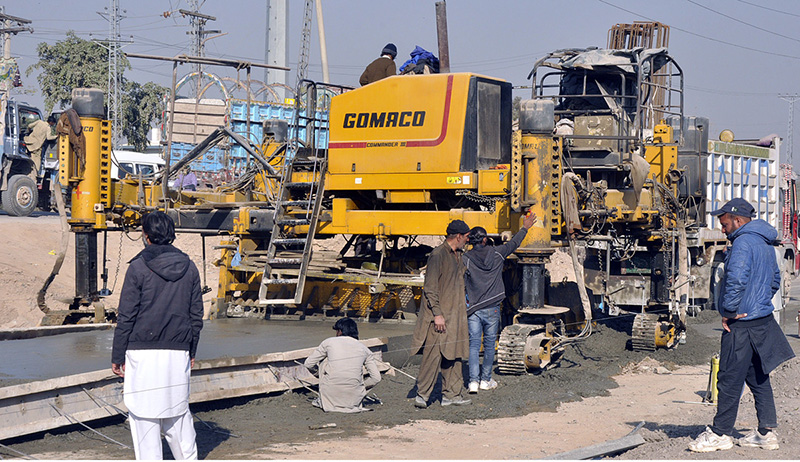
(752, 343)
(441, 329)
(382, 67)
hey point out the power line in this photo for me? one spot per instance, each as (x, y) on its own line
(717, 91)
(693, 2)
(701, 35)
(770, 9)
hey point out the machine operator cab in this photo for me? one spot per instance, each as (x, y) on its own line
(607, 103)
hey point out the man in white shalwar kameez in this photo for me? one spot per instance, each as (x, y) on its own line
(341, 361)
(158, 327)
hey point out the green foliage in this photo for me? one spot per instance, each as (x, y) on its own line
(515, 104)
(78, 63)
(142, 105)
(71, 63)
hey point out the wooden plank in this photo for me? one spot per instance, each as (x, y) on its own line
(44, 405)
(205, 130)
(189, 107)
(215, 120)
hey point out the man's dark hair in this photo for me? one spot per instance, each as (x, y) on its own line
(51, 119)
(476, 235)
(348, 327)
(159, 228)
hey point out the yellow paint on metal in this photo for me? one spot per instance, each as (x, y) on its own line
(346, 219)
(540, 182)
(714, 372)
(91, 189)
(665, 335)
(495, 181)
(662, 155)
(399, 181)
(408, 197)
(401, 124)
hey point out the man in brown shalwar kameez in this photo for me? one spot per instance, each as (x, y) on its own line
(441, 329)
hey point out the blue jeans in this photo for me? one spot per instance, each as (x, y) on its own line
(486, 322)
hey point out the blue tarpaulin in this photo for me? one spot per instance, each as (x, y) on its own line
(418, 54)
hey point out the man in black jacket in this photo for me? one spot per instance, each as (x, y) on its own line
(485, 295)
(158, 326)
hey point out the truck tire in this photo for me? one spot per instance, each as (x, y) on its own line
(21, 197)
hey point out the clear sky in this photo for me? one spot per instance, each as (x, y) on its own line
(738, 56)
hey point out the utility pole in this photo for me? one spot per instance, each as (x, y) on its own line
(275, 50)
(198, 22)
(441, 33)
(10, 25)
(790, 129)
(305, 43)
(114, 17)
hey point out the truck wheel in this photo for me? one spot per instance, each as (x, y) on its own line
(21, 197)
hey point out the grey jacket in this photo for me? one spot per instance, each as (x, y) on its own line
(484, 276)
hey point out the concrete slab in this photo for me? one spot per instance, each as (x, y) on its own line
(43, 358)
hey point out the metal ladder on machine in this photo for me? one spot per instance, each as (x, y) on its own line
(297, 204)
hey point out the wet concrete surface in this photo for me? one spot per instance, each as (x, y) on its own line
(78, 352)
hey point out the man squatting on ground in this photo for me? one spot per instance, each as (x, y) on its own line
(441, 329)
(341, 360)
(158, 327)
(752, 344)
(485, 295)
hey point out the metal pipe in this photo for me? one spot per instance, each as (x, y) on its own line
(533, 285)
(168, 152)
(249, 99)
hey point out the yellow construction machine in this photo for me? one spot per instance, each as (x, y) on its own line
(593, 157)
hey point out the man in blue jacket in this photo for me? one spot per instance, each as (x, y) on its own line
(753, 344)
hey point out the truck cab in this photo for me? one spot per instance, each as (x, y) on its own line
(19, 189)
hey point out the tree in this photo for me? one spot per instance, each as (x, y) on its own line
(71, 63)
(515, 104)
(78, 63)
(141, 103)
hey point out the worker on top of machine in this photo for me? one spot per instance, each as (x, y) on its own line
(39, 132)
(382, 67)
(485, 295)
(341, 360)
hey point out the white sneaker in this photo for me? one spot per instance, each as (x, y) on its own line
(473, 387)
(754, 439)
(708, 441)
(490, 385)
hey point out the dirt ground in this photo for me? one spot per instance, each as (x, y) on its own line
(600, 390)
(31, 247)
